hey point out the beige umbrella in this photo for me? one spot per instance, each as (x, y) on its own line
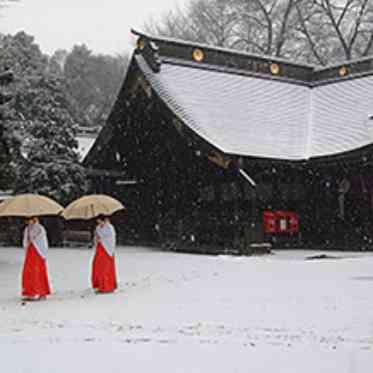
(90, 207)
(28, 205)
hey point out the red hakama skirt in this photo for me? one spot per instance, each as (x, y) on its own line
(35, 274)
(104, 278)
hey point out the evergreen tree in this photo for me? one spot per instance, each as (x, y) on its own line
(6, 174)
(41, 114)
(51, 166)
(93, 81)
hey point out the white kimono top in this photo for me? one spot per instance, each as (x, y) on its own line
(37, 235)
(107, 236)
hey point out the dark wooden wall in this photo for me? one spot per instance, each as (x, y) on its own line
(182, 199)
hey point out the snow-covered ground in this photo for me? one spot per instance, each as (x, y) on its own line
(189, 313)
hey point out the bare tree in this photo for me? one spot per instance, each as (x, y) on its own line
(338, 29)
(257, 26)
(171, 24)
(314, 31)
(266, 26)
(210, 21)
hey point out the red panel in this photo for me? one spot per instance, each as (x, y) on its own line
(282, 221)
(294, 225)
(270, 225)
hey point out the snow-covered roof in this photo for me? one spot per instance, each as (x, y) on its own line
(341, 116)
(262, 117)
(257, 106)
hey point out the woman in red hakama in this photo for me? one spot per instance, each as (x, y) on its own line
(104, 278)
(35, 283)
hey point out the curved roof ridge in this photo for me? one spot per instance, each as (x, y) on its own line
(221, 49)
(267, 118)
(219, 56)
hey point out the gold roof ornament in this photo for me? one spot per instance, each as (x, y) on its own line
(275, 68)
(198, 55)
(343, 71)
(141, 44)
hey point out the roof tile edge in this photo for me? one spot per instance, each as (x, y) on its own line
(261, 65)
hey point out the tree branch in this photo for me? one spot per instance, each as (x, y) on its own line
(358, 24)
(269, 26)
(308, 36)
(329, 11)
(369, 45)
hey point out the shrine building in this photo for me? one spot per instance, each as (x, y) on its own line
(214, 150)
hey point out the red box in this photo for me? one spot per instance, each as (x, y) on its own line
(282, 219)
(270, 225)
(294, 225)
(281, 222)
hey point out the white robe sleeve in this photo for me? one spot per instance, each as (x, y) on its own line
(95, 238)
(25, 238)
(107, 237)
(38, 237)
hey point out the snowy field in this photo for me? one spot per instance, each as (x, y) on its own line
(188, 313)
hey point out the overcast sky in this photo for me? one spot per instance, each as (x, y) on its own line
(104, 25)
